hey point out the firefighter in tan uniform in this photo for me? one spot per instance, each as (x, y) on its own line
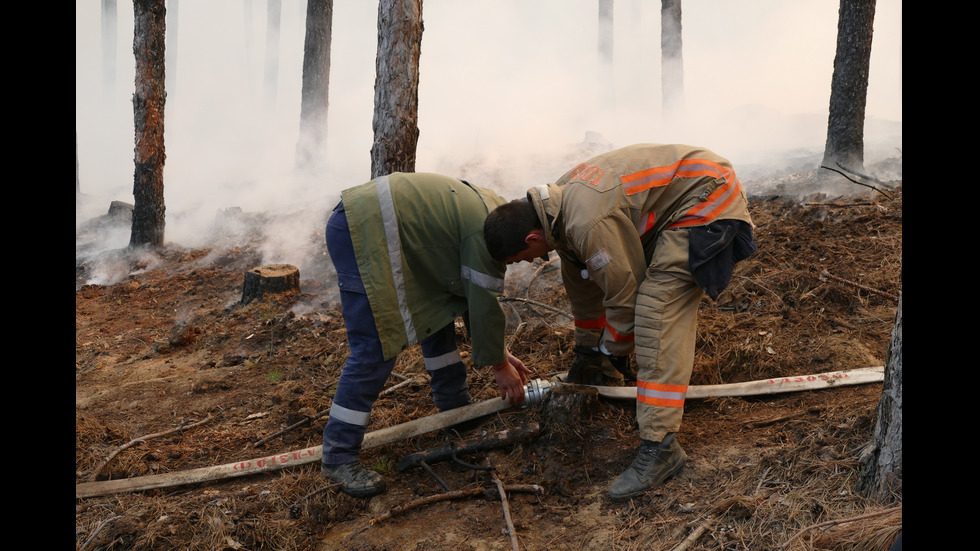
(642, 232)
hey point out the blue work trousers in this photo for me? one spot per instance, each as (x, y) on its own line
(366, 370)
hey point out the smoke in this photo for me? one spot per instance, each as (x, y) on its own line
(510, 96)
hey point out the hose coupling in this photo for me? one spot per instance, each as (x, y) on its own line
(535, 391)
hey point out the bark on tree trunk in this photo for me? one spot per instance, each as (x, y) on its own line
(849, 85)
(148, 110)
(881, 475)
(310, 154)
(172, 18)
(671, 61)
(396, 87)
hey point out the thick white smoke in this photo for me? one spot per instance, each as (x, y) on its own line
(510, 91)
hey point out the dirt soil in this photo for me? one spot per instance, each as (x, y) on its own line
(173, 373)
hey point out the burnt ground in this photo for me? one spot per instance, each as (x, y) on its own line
(170, 346)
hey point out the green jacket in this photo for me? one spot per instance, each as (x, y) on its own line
(418, 239)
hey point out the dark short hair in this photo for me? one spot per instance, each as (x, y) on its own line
(506, 227)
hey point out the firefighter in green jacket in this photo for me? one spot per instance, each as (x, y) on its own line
(410, 258)
(641, 232)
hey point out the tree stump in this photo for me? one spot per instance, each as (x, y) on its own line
(274, 278)
(567, 405)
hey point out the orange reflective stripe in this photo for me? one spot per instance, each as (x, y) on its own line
(619, 336)
(657, 394)
(662, 175)
(647, 224)
(597, 323)
(710, 208)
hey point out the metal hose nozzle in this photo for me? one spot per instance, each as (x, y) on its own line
(535, 391)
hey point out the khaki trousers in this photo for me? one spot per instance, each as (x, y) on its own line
(665, 336)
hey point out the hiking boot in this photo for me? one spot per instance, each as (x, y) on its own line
(357, 480)
(654, 464)
(586, 367)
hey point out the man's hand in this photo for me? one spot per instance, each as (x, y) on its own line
(511, 376)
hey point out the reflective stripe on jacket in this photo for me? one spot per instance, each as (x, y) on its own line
(418, 239)
(606, 213)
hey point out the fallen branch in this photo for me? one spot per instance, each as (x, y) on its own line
(506, 507)
(294, 426)
(538, 304)
(694, 535)
(502, 439)
(457, 494)
(842, 205)
(828, 275)
(133, 442)
(397, 386)
(539, 271)
(855, 181)
(91, 537)
(840, 521)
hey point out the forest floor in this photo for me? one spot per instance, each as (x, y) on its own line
(171, 347)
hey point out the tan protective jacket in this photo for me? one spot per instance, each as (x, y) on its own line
(603, 218)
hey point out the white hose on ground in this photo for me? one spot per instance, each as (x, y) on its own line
(301, 457)
(534, 393)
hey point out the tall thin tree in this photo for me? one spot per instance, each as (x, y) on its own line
(605, 44)
(109, 26)
(849, 85)
(671, 60)
(173, 9)
(396, 87)
(310, 151)
(149, 37)
(271, 78)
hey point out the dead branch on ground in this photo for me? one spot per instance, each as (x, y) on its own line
(506, 507)
(853, 180)
(538, 304)
(818, 525)
(456, 494)
(828, 275)
(133, 442)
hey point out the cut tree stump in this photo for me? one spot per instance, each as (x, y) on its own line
(566, 405)
(274, 278)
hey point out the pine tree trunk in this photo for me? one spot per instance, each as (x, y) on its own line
(173, 7)
(396, 87)
(671, 60)
(881, 476)
(271, 74)
(109, 25)
(148, 110)
(606, 45)
(310, 152)
(849, 85)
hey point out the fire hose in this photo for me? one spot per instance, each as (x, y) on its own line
(534, 393)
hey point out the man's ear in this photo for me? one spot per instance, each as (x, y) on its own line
(534, 236)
